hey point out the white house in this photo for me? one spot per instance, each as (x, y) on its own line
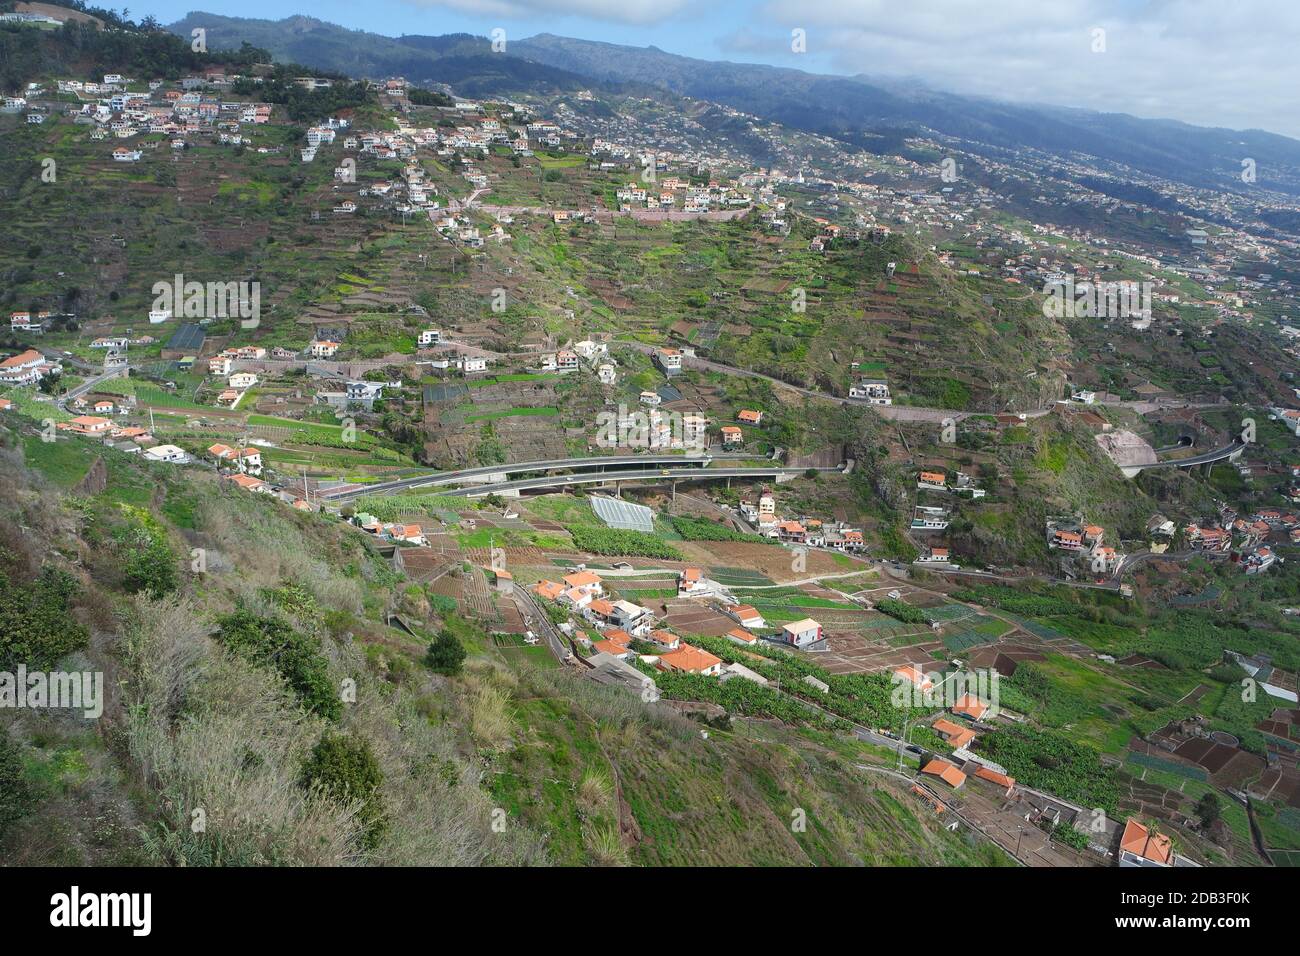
(801, 633)
(242, 380)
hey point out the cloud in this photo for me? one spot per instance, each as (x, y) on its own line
(1200, 61)
(640, 12)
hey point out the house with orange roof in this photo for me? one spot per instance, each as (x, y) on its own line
(689, 581)
(618, 636)
(732, 435)
(945, 771)
(913, 675)
(932, 480)
(551, 590)
(249, 483)
(690, 660)
(585, 581)
(745, 616)
(970, 706)
(664, 640)
(1068, 540)
(614, 649)
(87, 425)
(5, 404)
(993, 776)
(738, 635)
(956, 735)
(410, 533)
(601, 608)
(577, 598)
(1138, 846)
(749, 416)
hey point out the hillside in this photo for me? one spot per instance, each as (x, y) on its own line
(861, 111)
(201, 725)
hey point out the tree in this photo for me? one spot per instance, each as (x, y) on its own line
(344, 768)
(1209, 810)
(446, 653)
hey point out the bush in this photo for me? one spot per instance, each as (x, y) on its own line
(343, 768)
(148, 564)
(901, 611)
(271, 642)
(446, 653)
(36, 623)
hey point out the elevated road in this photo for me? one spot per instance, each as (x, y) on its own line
(434, 478)
(1204, 458)
(664, 474)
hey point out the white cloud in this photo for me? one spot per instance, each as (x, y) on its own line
(1201, 61)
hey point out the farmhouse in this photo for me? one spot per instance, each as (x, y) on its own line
(801, 633)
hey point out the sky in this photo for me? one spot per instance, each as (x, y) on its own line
(1209, 62)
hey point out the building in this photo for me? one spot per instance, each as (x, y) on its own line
(670, 360)
(801, 633)
(690, 660)
(1138, 846)
(946, 772)
(745, 616)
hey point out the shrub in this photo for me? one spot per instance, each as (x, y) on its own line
(446, 654)
(36, 623)
(271, 642)
(344, 769)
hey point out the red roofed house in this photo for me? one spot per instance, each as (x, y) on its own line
(690, 660)
(1138, 846)
(945, 771)
(956, 735)
(970, 706)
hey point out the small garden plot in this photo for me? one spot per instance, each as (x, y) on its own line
(739, 577)
(948, 613)
(1148, 762)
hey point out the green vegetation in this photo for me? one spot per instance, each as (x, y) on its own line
(272, 642)
(1050, 761)
(446, 654)
(701, 529)
(902, 611)
(37, 626)
(622, 543)
(344, 769)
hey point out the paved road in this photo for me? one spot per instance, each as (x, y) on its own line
(553, 464)
(679, 474)
(901, 413)
(91, 384)
(1205, 458)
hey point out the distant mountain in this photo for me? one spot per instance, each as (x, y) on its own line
(854, 108)
(461, 60)
(870, 113)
